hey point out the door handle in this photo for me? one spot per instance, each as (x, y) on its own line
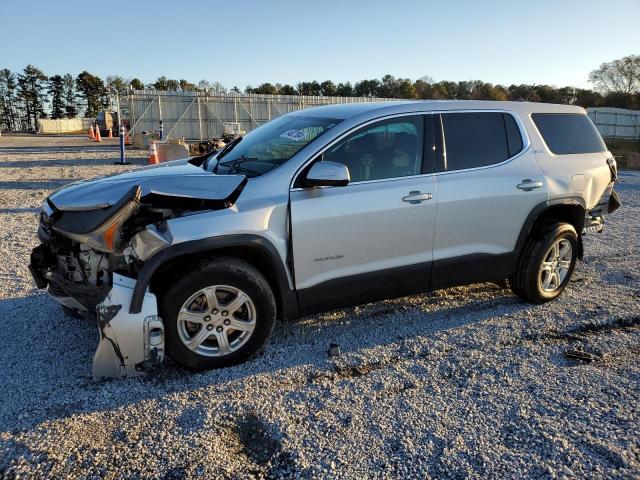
(417, 197)
(527, 185)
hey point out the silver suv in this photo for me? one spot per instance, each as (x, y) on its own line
(322, 208)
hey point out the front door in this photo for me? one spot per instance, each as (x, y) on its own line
(373, 238)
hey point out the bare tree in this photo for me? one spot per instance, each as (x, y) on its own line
(118, 85)
(618, 76)
(217, 87)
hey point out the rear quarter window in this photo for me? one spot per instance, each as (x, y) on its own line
(568, 133)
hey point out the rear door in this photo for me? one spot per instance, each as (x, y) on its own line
(373, 238)
(488, 183)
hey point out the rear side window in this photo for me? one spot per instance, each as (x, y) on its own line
(479, 139)
(514, 138)
(567, 133)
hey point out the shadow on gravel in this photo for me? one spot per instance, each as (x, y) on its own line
(13, 450)
(47, 184)
(54, 381)
(45, 357)
(586, 330)
(70, 162)
(627, 183)
(259, 443)
(20, 210)
(59, 149)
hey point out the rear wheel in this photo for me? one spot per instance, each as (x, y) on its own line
(221, 314)
(546, 265)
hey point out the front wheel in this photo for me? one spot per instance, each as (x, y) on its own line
(219, 315)
(546, 265)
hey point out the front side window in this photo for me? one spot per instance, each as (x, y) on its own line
(567, 133)
(271, 145)
(386, 149)
(479, 139)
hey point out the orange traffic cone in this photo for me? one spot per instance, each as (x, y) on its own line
(91, 135)
(98, 137)
(110, 133)
(153, 153)
(127, 137)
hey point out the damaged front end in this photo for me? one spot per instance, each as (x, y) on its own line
(95, 237)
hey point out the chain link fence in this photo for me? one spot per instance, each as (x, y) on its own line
(201, 116)
(616, 122)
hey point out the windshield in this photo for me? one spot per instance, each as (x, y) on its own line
(271, 145)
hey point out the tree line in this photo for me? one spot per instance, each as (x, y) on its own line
(30, 94)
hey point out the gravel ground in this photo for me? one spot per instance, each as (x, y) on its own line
(465, 382)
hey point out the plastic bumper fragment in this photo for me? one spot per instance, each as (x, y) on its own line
(130, 344)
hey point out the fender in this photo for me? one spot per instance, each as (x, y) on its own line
(539, 209)
(287, 297)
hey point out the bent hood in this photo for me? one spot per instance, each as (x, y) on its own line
(177, 184)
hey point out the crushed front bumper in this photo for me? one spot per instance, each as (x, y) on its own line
(130, 344)
(75, 296)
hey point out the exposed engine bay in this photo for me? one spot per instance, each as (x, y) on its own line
(81, 266)
(95, 237)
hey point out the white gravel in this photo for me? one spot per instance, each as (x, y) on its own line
(465, 382)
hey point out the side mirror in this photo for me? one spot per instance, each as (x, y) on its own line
(328, 174)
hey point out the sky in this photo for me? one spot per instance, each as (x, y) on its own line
(281, 41)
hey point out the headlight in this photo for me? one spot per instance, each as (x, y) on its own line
(107, 237)
(46, 208)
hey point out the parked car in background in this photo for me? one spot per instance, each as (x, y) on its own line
(318, 209)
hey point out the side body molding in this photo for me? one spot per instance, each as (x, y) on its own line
(286, 296)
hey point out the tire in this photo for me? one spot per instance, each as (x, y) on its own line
(537, 278)
(190, 297)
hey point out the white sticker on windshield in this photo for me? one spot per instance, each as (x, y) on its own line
(297, 135)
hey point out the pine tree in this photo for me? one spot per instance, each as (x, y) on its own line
(186, 86)
(91, 88)
(56, 90)
(136, 84)
(8, 86)
(70, 107)
(31, 91)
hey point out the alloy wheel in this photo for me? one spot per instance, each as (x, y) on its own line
(216, 320)
(556, 265)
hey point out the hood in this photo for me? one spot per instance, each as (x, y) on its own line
(178, 183)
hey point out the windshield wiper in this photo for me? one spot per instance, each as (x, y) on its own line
(235, 165)
(224, 151)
